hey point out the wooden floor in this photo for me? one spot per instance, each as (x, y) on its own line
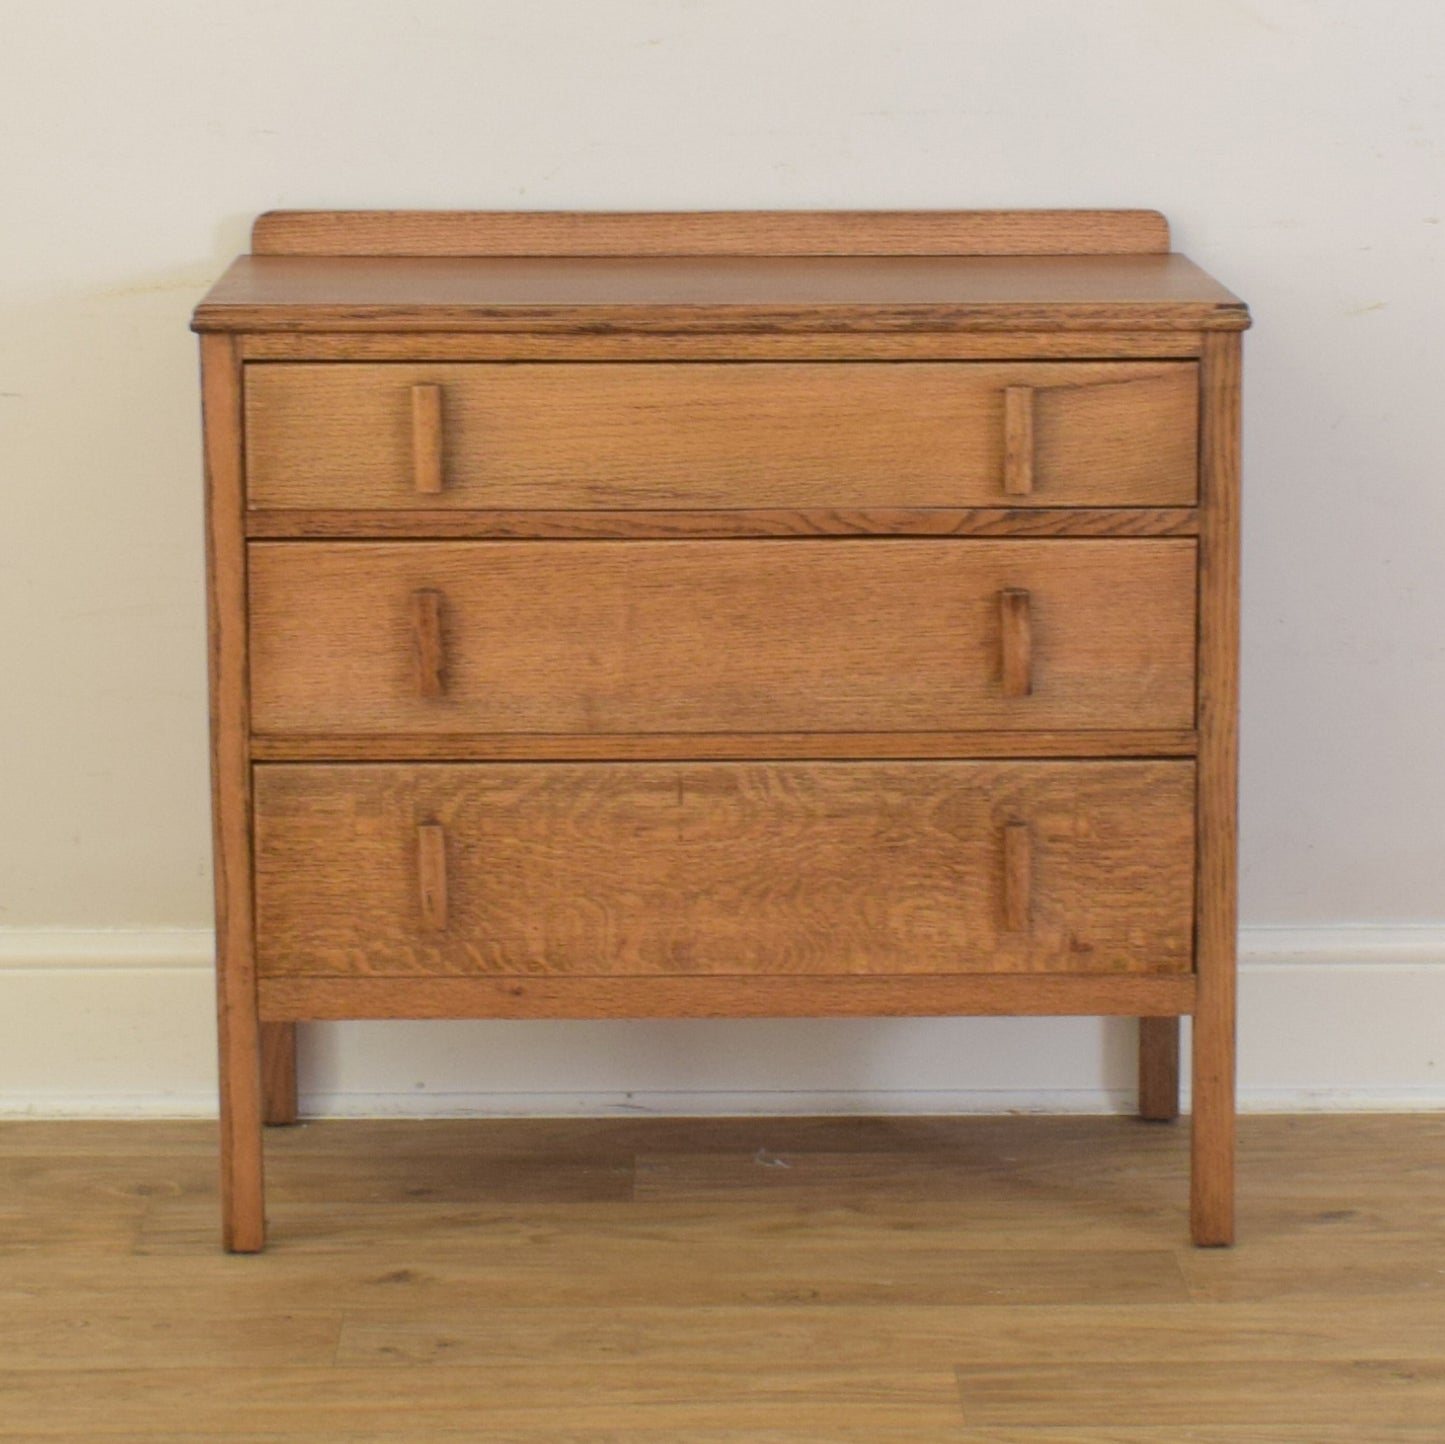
(905, 1281)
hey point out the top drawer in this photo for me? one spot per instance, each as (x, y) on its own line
(702, 435)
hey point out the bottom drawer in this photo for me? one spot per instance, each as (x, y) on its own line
(638, 869)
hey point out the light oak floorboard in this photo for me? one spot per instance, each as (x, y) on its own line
(1404, 1391)
(614, 1395)
(643, 1433)
(696, 1281)
(834, 1434)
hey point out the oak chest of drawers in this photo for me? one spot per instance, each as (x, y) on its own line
(722, 615)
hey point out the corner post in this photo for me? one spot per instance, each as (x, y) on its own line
(242, 1197)
(1212, 1142)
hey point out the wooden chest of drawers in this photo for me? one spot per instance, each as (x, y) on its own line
(722, 615)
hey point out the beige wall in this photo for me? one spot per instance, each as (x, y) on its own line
(1297, 145)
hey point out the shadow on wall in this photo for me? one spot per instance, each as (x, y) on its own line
(681, 1066)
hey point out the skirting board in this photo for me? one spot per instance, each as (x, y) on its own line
(119, 1024)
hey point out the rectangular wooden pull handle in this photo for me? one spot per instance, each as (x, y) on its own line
(429, 644)
(1018, 866)
(1018, 440)
(431, 870)
(1016, 636)
(426, 439)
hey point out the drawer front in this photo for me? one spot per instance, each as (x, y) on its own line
(602, 638)
(704, 435)
(724, 868)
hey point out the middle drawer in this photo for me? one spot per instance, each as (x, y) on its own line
(582, 637)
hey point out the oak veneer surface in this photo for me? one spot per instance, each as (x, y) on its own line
(1032, 232)
(226, 605)
(260, 293)
(719, 746)
(727, 868)
(303, 344)
(724, 615)
(321, 997)
(1003, 1280)
(696, 435)
(1216, 927)
(736, 636)
(317, 523)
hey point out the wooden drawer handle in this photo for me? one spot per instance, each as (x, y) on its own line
(429, 644)
(426, 439)
(1018, 440)
(1018, 852)
(431, 871)
(1016, 640)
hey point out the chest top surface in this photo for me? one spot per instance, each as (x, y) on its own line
(764, 271)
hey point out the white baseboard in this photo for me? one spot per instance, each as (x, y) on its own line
(119, 1024)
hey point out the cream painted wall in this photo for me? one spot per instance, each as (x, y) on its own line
(1298, 147)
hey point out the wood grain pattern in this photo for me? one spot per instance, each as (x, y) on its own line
(431, 870)
(708, 233)
(1016, 641)
(1171, 1396)
(592, 1403)
(705, 435)
(912, 995)
(766, 869)
(311, 523)
(427, 446)
(756, 636)
(429, 1272)
(1018, 440)
(428, 642)
(1132, 1331)
(1018, 871)
(1216, 926)
(323, 345)
(243, 1211)
(721, 746)
(286, 310)
(719, 295)
(631, 595)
